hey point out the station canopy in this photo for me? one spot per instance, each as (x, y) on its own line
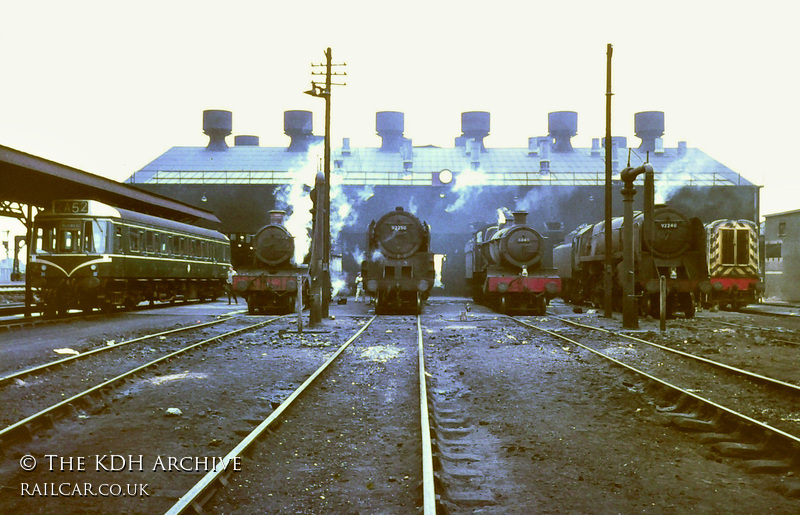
(31, 180)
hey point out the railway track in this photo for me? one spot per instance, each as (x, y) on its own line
(39, 390)
(331, 421)
(336, 401)
(333, 389)
(38, 319)
(775, 334)
(741, 412)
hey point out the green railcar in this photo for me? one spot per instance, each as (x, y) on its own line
(87, 255)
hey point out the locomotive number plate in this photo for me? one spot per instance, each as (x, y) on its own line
(70, 206)
(668, 225)
(399, 228)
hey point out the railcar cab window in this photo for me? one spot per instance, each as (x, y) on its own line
(94, 237)
(70, 237)
(46, 237)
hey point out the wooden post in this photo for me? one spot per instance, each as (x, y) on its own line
(662, 298)
(298, 304)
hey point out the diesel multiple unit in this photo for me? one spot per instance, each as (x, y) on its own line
(88, 255)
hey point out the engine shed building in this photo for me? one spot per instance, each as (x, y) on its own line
(561, 187)
(782, 255)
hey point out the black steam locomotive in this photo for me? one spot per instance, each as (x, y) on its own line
(399, 271)
(267, 276)
(505, 268)
(676, 250)
(87, 255)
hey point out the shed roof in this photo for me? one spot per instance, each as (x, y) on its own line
(502, 166)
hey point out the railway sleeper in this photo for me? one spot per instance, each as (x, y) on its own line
(450, 423)
(789, 489)
(768, 466)
(693, 424)
(742, 450)
(471, 498)
(459, 471)
(457, 455)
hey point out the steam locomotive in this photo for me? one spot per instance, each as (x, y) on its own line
(267, 276)
(505, 268)
(675, 250)
(87, 254)
(399, 271)
(733, 264)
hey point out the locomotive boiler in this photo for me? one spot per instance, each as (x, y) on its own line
(398, 272)
(674, 250)
(733, 264)
(88, 255)
(505, 268)
(268, 277)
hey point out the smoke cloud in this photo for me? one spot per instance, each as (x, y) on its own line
(295, 199)
(679, 174)
(467, 187)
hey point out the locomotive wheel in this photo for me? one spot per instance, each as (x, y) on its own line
(502, 305)
(645, 307)
(540, 304)
(419, 303)
(686, 302)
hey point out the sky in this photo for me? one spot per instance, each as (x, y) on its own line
(107, 87)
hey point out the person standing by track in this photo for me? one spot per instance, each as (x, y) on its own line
(359, 287)
(229, 285)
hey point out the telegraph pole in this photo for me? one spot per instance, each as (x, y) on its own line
(317, 90)
(608, 281)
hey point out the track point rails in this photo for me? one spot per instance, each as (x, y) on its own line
(344, 440)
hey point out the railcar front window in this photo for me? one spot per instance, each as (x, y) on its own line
(45, 238)
(94, 237)
(69, 239)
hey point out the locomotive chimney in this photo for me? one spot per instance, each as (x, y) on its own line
(390, 126)
(474, 125)
(562, 125)
(520, 217)
(217, 124)
(276, 217)
(298, 126)
(649, 126)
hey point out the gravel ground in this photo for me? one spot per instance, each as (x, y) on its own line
(523, 423)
